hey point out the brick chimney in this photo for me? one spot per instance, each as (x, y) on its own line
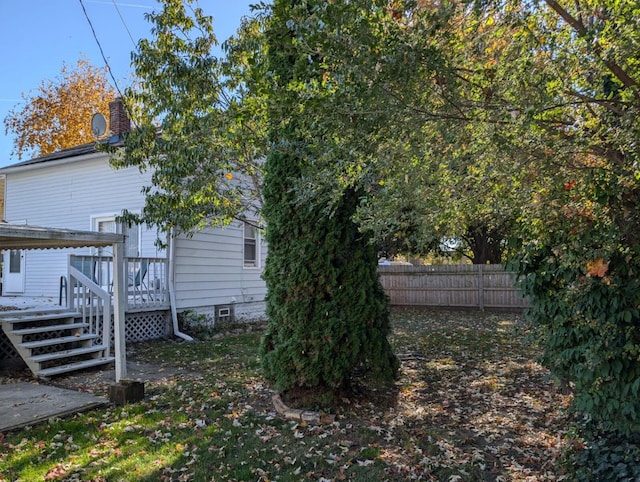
(119, 122)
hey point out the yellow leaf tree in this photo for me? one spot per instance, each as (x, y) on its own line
(58, 114)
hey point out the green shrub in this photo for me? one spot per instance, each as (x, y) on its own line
(580, 267)
(197, 325)
(603, 456)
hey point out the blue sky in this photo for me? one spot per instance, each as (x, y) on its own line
(38, 36)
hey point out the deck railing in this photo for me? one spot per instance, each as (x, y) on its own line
(146, 278)
(147, 283)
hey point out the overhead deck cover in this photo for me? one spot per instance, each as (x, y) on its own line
(15, 236)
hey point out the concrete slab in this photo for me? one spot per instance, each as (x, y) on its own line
(23, 404)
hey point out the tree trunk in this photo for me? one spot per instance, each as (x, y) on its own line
(486, 245)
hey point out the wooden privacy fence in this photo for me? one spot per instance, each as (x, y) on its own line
(452, 286)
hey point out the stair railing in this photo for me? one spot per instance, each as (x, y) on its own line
(85, 296)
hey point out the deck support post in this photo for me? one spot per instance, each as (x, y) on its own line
(119, 288)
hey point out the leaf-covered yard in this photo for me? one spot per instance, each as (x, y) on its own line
(471, 404)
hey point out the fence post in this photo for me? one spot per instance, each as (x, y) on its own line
(480, 287)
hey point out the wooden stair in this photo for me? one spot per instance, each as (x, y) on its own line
(52, 341)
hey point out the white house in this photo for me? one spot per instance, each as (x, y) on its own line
(216, 272)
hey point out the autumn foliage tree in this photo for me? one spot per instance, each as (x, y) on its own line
(526, 111)
(58, 114)
(578, 251)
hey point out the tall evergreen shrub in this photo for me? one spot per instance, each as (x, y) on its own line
(328, 315)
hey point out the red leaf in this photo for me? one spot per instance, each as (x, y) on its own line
(597, 268)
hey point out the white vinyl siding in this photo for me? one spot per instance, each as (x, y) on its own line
(68, 196)
(209, 269)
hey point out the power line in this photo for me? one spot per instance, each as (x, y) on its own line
(104, 57)
(124, 23)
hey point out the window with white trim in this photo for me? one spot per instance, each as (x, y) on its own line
(107, 224)
(251, 245)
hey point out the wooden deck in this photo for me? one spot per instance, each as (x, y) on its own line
(78, 329)
(146, 278)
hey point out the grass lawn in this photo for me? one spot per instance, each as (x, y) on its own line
(471, 404)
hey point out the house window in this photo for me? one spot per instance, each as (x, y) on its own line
(14, 261)
(107, 224)
(251, 259)
(131, 240)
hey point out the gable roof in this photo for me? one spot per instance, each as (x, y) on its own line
(119, 124)
(64, 154)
